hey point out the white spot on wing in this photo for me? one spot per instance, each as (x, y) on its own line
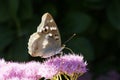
(53, 28)
(50, 34)
(51, 20)
(46, 27)
(56, 37)
(45, 42)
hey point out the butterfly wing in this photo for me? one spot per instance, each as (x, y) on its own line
(48, 24)
(46, 41)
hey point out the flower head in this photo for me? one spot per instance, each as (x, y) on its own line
(19, 71)
(68, 64)
(47, 71)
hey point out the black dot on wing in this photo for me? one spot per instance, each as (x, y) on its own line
(46, 29)
(56, 38)
(56, 35)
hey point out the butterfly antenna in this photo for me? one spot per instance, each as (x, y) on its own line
(67, 41)
(70, 38)
(69, 49)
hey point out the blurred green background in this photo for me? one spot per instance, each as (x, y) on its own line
(96, 23)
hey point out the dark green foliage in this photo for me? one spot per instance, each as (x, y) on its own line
(96, 23)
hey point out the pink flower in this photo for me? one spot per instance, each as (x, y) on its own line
(19, 71)
(47, 71)
(68, 64)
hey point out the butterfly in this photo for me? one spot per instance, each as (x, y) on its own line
(46, 41)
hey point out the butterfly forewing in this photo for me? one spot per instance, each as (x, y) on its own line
(47, 41)
(48, 24)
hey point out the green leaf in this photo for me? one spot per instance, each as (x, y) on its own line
(49, 8)
(82, 46)
(106, 32)
(113, 13)
(18, 51)
(1, 54)
(4, 13)
(118, 40)
(13, 7)
(94, 4)
(6, 36)
(94, 0)
(77, 22)
(25, 11)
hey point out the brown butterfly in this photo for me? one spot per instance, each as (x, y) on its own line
(46, 41)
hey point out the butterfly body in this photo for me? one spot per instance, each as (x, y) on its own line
(46, 41)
